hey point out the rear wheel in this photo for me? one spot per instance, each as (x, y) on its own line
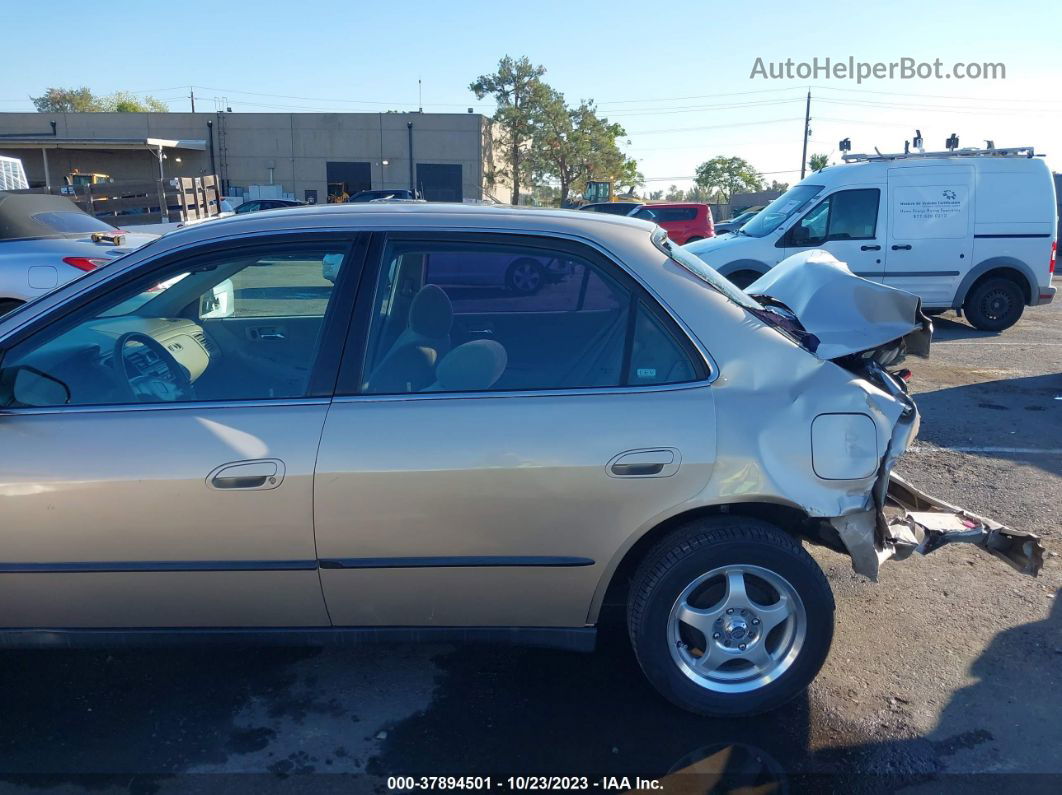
(730, 616)
(525, 276)
(995, 304)
(7, 304)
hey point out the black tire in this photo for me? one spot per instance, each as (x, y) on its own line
(994, 304)
(7, 304)
(699, 548)
(743, 279)
(525, 276)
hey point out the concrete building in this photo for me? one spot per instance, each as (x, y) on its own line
(310, 155)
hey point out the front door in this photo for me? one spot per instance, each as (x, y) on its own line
(850, 225)
(158, 463)
(930, 239)
(499, 445)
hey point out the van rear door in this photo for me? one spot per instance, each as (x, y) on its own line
(930, 238)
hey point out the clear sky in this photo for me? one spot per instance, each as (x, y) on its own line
(675, 74)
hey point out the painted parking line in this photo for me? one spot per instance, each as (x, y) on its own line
(983, 342)
(1014, 450)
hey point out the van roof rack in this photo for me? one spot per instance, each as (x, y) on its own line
(1015, 151)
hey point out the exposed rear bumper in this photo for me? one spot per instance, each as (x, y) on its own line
(1047, 295)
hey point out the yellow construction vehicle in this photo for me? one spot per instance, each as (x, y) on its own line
(78, 180)
(603, 191)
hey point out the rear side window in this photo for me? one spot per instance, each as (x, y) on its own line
(72, 222)
(503, 316)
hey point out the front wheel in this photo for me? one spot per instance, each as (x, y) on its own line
(994, 305)
(730, 616)
(8, 304)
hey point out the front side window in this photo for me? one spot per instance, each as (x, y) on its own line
(484, 315)
(845, 215)
(233, 326)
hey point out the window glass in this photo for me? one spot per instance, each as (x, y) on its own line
(667, 214)
(854, 215)
(68, 222)
(656, 356)
(845, 215)
(456, 317)
(781, 209)
(230, 327)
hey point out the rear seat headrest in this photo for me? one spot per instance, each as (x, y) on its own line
(430, 313)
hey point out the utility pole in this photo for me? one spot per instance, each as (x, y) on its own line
(191, 95)
(807, 132)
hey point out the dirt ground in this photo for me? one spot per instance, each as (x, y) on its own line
(943, 675)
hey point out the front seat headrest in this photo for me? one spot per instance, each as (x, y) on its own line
(430, 313)
(470, 367)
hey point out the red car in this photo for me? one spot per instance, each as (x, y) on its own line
(684, 221)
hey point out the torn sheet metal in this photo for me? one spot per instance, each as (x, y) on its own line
(847, 313)
(913, 515)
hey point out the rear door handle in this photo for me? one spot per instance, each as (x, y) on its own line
(657, 462)
(259, 474)
(904, 247)
(870, 248)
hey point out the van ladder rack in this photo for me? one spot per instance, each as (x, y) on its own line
(1016, 151)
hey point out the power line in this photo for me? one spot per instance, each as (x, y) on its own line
(1037, 100)
(714, 126)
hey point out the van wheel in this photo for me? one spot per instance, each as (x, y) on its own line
(7, 304)
(525, 276)
(994, 304)
(743, 279)
(730, 616)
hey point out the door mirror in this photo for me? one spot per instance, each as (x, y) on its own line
(220, 301)
(28, 386)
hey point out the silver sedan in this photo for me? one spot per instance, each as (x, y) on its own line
(335, 424)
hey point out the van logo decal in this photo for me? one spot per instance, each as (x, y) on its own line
(949, 195)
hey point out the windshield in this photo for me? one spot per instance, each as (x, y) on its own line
(777, 212)
(703, 271)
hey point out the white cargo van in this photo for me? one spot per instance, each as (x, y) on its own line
(972, 230)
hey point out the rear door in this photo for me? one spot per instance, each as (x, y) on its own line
(930, 238)
(553, 431)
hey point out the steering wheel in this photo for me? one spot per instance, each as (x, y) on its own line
(154, 388)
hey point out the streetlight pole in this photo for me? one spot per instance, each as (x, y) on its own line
(807, 128)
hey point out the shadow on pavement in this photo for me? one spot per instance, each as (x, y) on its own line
(951, 328)
(509, 712)
(1010, 412)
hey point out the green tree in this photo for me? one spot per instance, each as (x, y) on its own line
(124, 102)
(781, 187)
(656, 195)
(573, 145)
(520, 93)
(82, 100)
(818, 162)
(725, 176)
(66, 100)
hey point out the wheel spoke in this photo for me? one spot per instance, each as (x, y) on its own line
(773, 615)
(699, 618)
(735, 590)
(758, 656)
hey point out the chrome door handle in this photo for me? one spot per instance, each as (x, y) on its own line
(260, 474)
(272, 335)
(484, 331)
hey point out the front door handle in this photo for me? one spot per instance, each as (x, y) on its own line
(870, 248)
(904, 247)
(259, 474)
(657, 462)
